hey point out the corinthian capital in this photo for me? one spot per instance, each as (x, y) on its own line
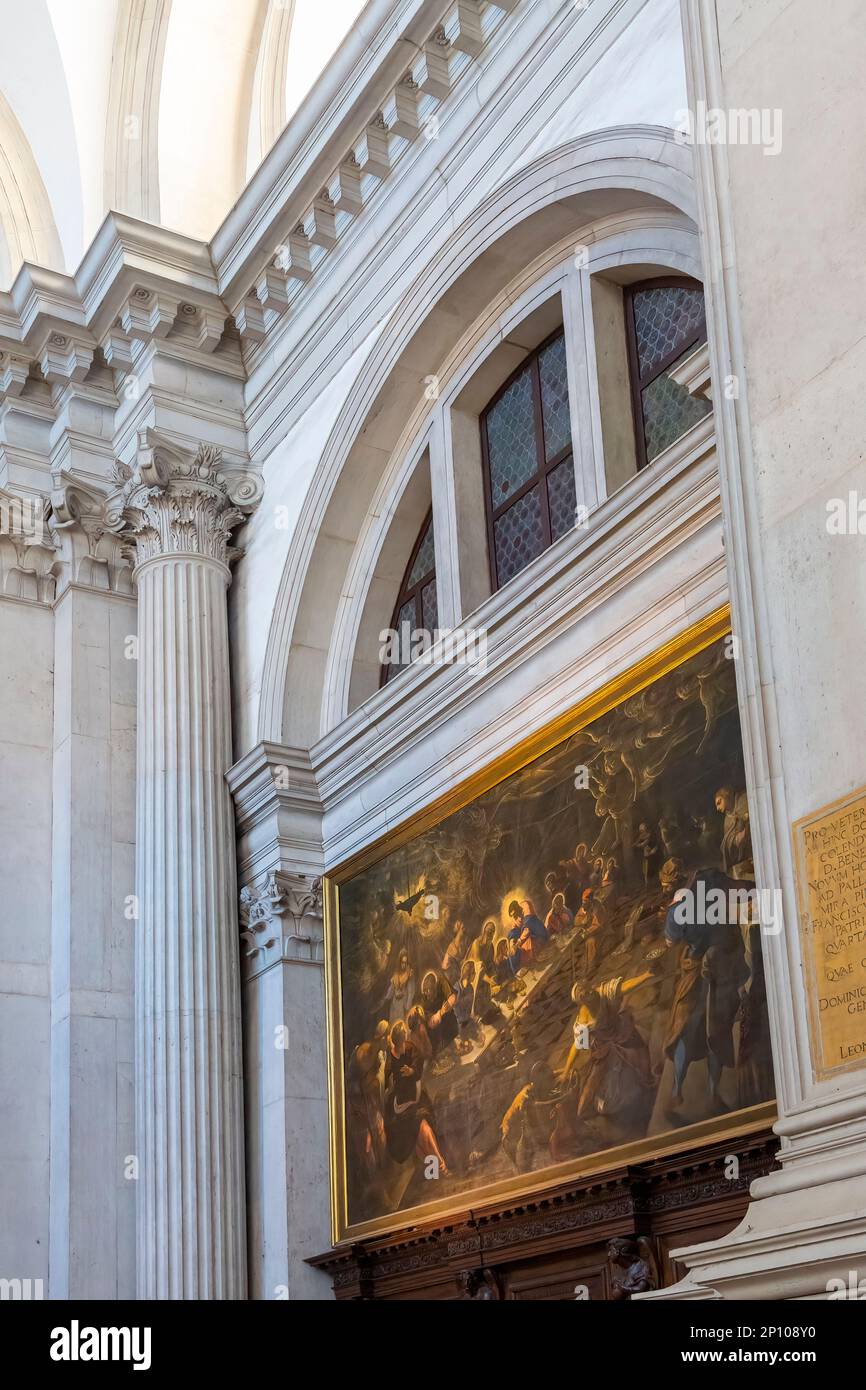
(281, 919)
(176, 502)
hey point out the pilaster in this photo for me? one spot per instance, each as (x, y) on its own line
(92, 1201)
(282, 954)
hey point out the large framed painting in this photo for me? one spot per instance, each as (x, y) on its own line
(527, 983)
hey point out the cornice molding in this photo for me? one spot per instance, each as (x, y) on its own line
(258, 790)
(278, 813)
(369, 107)
(399, 62)
(138, 284)
(379, 48)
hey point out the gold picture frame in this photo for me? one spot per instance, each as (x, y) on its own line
(731, 1125)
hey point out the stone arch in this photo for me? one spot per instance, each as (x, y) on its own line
(153, 87)
(27, 228)
(268, 102)
(562, 193)
(132, 152)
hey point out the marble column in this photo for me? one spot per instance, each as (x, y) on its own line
(178, 510)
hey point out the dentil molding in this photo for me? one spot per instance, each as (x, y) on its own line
(139, 282)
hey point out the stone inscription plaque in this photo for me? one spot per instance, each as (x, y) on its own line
(830, 851)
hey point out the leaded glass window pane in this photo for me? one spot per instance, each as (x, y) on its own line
(668, 411)
(405, 627)
(664, 318)
(518, 536)
(416, 605)
(556, 415)
(511, 439)
(526, 433)
(429, 608)
(424, 560)
(562, 498)
(666, 323)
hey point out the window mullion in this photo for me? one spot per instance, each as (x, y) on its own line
(541, 476)
(674, 355)
(516, 496)
(590, 482)
(448, 523)
(635, 385)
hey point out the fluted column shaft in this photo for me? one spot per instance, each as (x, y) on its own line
(178, 511)
(191, 1234)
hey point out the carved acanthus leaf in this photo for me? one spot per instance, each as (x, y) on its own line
(285, 909)
(26, 550)
(174, 501)
(89, 552)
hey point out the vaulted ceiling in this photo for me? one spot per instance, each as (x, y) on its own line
(158, 108)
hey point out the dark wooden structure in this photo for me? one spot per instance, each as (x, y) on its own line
(545, 1247)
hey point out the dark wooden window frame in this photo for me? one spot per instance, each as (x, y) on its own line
(412, 591)
(544, 467)
(638, 383)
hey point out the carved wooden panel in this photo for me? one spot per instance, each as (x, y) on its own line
(544, 1249)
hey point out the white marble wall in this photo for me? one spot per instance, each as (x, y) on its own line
(26, 716)
(802, 278)
(288, 1208)
(93, 874)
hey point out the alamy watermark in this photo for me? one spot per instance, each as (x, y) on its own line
(846, 516)
(23, 518)
(77, 1343)
(719, 907)
(712, 125)
(24, 1290)
(459, 646)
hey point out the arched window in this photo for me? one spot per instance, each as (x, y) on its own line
(528, 463)
(416, 609)
(665, 322)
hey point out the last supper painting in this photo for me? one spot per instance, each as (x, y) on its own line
(527, 985)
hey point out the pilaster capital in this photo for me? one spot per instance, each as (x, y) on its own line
(27, 555)
(174, 501)
(278, 816)
(88, 552)
(281, 919)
